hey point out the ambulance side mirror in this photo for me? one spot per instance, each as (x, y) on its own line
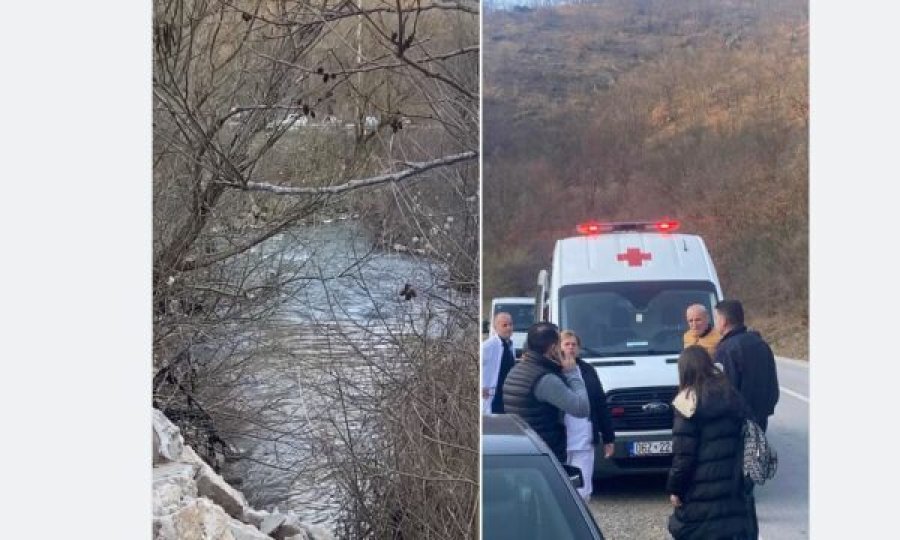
(540, 298)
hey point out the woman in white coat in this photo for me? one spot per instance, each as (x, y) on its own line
(584, 434)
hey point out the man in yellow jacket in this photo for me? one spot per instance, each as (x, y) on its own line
(700, 331)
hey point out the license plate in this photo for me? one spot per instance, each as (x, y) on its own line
(650, 448)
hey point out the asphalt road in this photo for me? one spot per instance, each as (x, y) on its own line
(637, 508)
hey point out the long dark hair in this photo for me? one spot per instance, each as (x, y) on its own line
(696, 370)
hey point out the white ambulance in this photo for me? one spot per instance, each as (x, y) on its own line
(521, 308)
(623, 288)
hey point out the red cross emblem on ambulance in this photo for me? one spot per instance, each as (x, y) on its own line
(634, 257)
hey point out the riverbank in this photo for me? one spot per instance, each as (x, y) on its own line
(191, 500)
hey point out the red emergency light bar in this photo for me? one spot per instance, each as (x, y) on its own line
(591, 227)
(595, 227)
(667, 225)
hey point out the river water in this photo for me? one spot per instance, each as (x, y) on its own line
(334, 339)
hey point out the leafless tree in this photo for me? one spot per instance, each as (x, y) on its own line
(269, 116)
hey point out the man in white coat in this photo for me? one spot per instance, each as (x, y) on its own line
(498, 358)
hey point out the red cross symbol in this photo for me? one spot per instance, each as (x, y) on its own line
(634, 257)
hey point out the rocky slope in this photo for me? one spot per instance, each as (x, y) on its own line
(192, 502)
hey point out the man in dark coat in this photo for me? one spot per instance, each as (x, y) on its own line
(747, 360)
(542, 386)
(749, 364)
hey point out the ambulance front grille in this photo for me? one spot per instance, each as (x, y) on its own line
(635, 417)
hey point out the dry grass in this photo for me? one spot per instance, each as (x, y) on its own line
(787, 335)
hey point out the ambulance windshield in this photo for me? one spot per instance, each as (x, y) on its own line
(632, 318)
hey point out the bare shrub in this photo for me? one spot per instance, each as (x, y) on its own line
(269, 118)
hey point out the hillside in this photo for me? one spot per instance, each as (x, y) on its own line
(623, 110)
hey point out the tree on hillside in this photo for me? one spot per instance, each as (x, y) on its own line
(708, 124)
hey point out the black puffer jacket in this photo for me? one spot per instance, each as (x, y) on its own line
(706, 466)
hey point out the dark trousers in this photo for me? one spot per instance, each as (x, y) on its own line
(497, 402)
(752, 523)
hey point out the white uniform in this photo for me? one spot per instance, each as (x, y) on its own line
(580, 451)
(491, 353)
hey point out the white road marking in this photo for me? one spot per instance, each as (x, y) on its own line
(798, 363)
(797, 395)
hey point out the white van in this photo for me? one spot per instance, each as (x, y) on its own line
(623, 288)
(521, 308)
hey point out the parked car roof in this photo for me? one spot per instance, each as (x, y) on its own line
(507, 434)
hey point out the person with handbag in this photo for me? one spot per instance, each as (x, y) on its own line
(706, 483)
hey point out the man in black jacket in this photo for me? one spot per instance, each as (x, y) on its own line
(747, 360)
(749, 364)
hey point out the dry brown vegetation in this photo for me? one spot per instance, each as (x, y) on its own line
(633, 110)
(270, 116)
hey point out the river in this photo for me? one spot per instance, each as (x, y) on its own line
(334, 337)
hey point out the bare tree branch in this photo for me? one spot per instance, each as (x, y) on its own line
(415, 168)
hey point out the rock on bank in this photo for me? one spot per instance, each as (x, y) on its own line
(192, 502)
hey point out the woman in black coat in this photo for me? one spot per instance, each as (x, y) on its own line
(706, 480)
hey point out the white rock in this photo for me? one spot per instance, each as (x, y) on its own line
(200, 519)
(272, 522)
(173, 485)
(171, 443)
(291, 527)
(189, 456)
(215, 488)
(254, 517)
(156, 445)
(241, 531)
(317, 532)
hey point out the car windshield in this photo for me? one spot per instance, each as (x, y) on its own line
(632, 318)
(526, 497)
(522, 315)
